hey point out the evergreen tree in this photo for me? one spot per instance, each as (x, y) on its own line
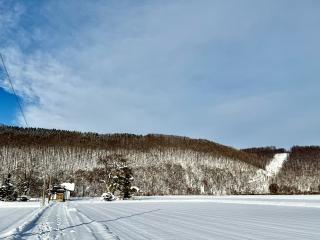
(274, 188)
(119, 175)
(7, 190)
(122, 181)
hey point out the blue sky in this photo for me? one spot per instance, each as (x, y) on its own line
(8, 107)
(242, 73)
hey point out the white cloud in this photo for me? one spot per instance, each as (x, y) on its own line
(9, 18)
(115, 77)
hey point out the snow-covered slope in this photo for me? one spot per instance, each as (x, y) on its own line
(276, 164)
(262, 177)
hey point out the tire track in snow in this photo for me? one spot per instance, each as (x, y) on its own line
(161, 225)
(100, 226)
(59, 221)
(203, 220)
(176, 219)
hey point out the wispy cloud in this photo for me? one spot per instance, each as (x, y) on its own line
(198, 68)
(9, 17)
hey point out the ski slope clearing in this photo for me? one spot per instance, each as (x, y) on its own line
(178, 217)
(261, 180)
(276, 164)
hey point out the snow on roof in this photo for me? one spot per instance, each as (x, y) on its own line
(68, 186)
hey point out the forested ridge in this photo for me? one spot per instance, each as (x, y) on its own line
(162, 164)
(15, 136)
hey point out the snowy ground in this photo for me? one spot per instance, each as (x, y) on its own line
(171, 217)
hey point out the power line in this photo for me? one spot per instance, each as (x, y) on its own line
(14, 92)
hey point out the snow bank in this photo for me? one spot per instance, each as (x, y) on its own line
(24, 224)
(19, 204)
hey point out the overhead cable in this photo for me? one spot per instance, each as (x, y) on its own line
(13, 90)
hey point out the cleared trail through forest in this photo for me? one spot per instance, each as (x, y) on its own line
(275, 165)
(263, 176)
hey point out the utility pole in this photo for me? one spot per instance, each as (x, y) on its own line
(49, 194)
(44, 192)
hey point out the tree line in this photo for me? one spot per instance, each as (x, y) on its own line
(16, 136)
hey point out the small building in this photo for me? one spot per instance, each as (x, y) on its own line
(69, 187)
(61, 192)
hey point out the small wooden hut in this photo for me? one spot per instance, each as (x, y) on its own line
(61, 192)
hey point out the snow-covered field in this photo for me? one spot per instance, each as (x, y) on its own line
(170, 217)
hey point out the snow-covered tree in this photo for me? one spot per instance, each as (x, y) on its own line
(7, 190)
(122, 181)
(119, 174)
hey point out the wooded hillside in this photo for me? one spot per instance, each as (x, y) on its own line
(161, 164)
(301, 173)
(20, 137)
